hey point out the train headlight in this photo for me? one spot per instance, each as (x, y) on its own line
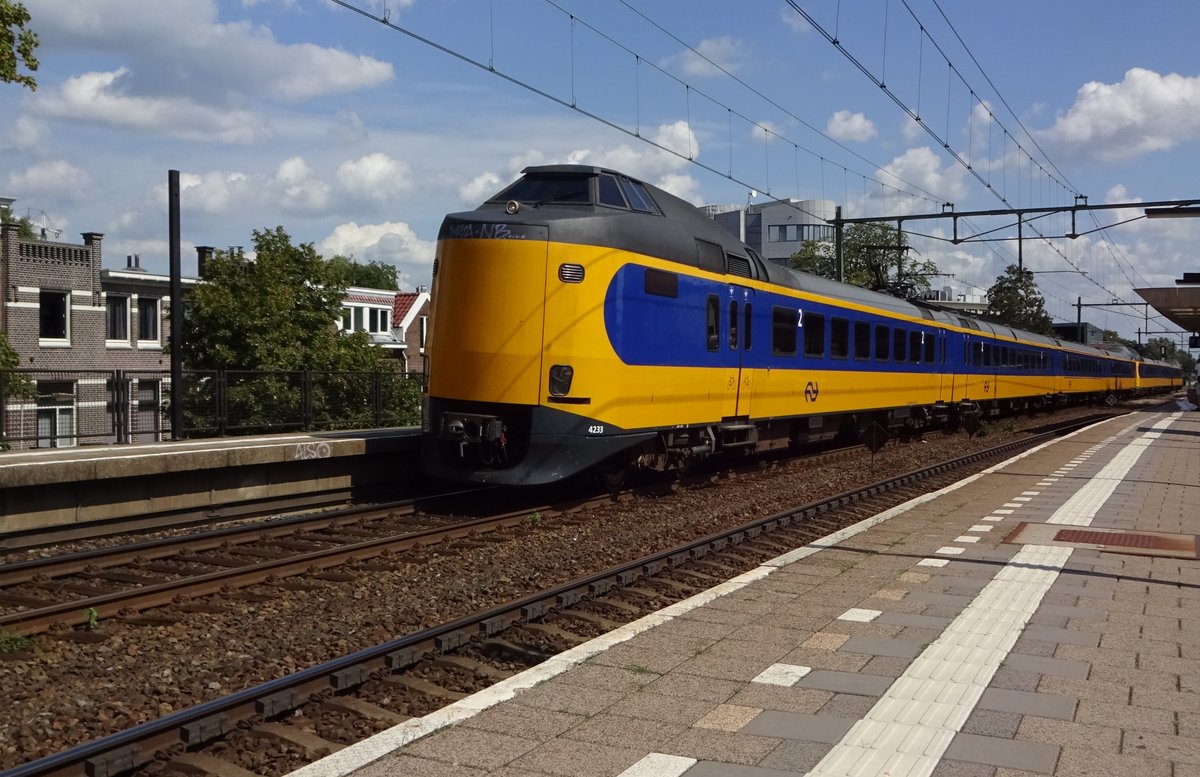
(511, 207)
(560, 379)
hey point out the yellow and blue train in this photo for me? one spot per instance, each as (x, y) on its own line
(585, 320)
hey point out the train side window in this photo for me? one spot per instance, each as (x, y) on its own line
(987, 354)
(746, 328)
(733, 325)
(610, 192)
(714, 322)
(839, 338)
(639, 198)
(914, 347)
(783, 331)
(710, 256)
(862, 340)
(814, 334)
(882, 341)
(899, 340)
(930, 341)
(661, 283)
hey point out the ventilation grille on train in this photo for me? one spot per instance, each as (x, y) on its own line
(738, 265)
(570, 273)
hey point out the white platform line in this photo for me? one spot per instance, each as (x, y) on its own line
(910, 727)
(361, 753)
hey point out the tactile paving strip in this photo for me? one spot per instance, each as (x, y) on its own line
(1138, 543)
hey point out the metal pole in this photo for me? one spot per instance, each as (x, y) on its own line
(1020, 246)
(176, 307)
(838, 258)
(1079, 319)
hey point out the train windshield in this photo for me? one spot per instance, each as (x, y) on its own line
(540, 189)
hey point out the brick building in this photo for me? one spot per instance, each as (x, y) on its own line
(78, 330)
(92, 341)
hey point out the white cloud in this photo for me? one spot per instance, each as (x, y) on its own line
(1145, 112)
(682, 186)
(375, 177)
(844, 125)
(302, 191)
(55, 177)
(797, 23)
(922, 167)
(98, 97)
(482, 186)
(179, 48)
(391, 242)
(25, 134)
(765, 130)
(643, 162)
(709, 57)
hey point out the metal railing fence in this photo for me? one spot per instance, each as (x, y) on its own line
(62, 408)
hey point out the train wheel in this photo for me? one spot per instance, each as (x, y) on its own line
(614, 474)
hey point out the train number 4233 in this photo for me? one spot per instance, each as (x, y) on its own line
(596, 429)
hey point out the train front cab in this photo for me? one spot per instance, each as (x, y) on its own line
(521, 365)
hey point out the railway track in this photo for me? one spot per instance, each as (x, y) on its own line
(77, 590)
(317, 710)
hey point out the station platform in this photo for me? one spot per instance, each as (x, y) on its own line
(56, 487)
(1036, 619)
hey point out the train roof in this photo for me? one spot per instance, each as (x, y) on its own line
(676, 239)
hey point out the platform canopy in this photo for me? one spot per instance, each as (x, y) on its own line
(1179, 303)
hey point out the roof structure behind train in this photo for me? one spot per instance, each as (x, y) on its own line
(1179, 303)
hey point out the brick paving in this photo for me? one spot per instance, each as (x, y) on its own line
(924, 645)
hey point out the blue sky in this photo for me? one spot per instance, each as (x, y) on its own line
(359, 138)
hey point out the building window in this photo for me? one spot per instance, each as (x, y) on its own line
(54, 315)
(117, 318)
(424, 330)
(56, 414)
(347, 322)
(147, 319)
(794, 233)
(381, 320)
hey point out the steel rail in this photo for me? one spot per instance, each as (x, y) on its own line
(76, 612)
(172, 734)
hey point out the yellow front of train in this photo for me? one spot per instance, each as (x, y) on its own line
(517, 345)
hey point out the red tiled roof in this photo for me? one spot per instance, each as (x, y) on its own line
(373, 299)
(403, 304)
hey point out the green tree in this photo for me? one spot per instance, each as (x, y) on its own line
(875, 256)
(1160, 348)
(1015, 300)
(372, 275)
(24, 225)
(274, 316)
(275, 312)
(17, 43)
(13, 385)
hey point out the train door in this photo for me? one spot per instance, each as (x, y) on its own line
(739, 315)
(945, 386)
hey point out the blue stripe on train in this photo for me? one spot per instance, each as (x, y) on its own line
(653, 329)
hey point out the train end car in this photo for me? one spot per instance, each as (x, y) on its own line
(524, 384)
